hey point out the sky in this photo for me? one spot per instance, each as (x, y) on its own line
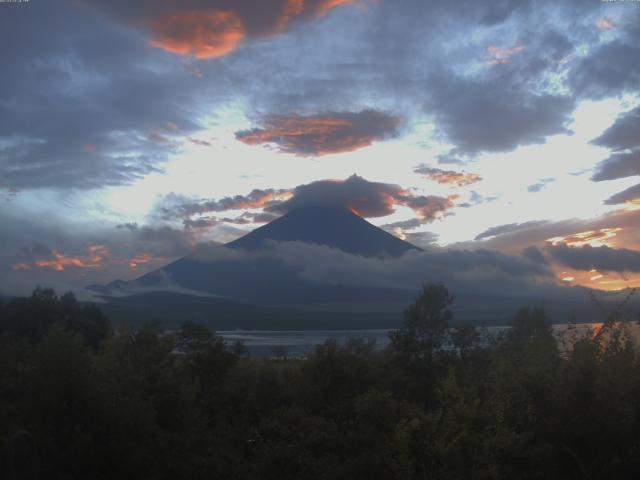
(132, 131)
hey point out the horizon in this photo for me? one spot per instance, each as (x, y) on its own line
(501, 138)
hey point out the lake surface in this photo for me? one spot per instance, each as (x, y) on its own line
(292, 343)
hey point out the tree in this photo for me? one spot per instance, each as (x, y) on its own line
(425, 325)
(529, 325)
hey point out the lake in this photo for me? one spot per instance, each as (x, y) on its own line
(293, 343)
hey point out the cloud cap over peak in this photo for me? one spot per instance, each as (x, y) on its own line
(365, 198)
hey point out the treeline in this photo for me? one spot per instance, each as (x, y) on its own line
(78, 401)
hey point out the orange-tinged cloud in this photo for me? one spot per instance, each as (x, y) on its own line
(605, 24)
(255, 199)
(498, 55)
(323, 134)
(138, 260)
(449, 177)
(59, 262)
(215, 32)
(292, 8)
(595, 238)
(96, 256)
(609, 281)
(200, 34)
(365, 198)
(325, 6)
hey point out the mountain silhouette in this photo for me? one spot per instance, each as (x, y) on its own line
(267, 280)
(331, 226)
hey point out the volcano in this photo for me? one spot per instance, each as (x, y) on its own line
(330, 226)
(253, 276)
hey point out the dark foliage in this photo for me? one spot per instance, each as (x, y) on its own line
(80, 401)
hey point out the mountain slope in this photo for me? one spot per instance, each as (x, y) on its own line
(334, 227)
(264, 280)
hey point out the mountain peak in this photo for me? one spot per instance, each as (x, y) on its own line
(335, 227)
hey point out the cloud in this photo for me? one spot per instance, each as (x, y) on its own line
(630, 195)
(448, 177)
(40, 256)
(201, 34)
(618, 165)
(403, 225)
(602, 258)
(536, 187)
(611, 69)
(260, 217)
(624, 134)
(497, 55)
(604, 23)
(323, 134)
(617, 229)
(367, 199)
(590, 237)
(508, 228)
(485, 115)
(82, 111)
(165, 241)
(256, 199)
(469, 271)
(209, 29)
(623, 137)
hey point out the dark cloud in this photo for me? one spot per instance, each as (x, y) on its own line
(508, 228)
(536, 187)
(491, 115)
(603, 258)
(164, 241)
(618, 165)
(451, 159)
(87, 99)
(631, 194)
(37, 251)
(534, 254)
(260, 217)
(81, 100)
(476, 199)
(206, 29)
(256, 199)
(367, 199)
(623, 137)
(624, 134)
(323, 134)
(611, 69)
(403, 225)
(430, 207)
(618, 228)
(424, 240)
(472, 271)
(448, 177)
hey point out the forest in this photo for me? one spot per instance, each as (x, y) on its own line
(80, 399)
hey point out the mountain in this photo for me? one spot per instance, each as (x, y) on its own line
(331, 226)
(195, 283)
